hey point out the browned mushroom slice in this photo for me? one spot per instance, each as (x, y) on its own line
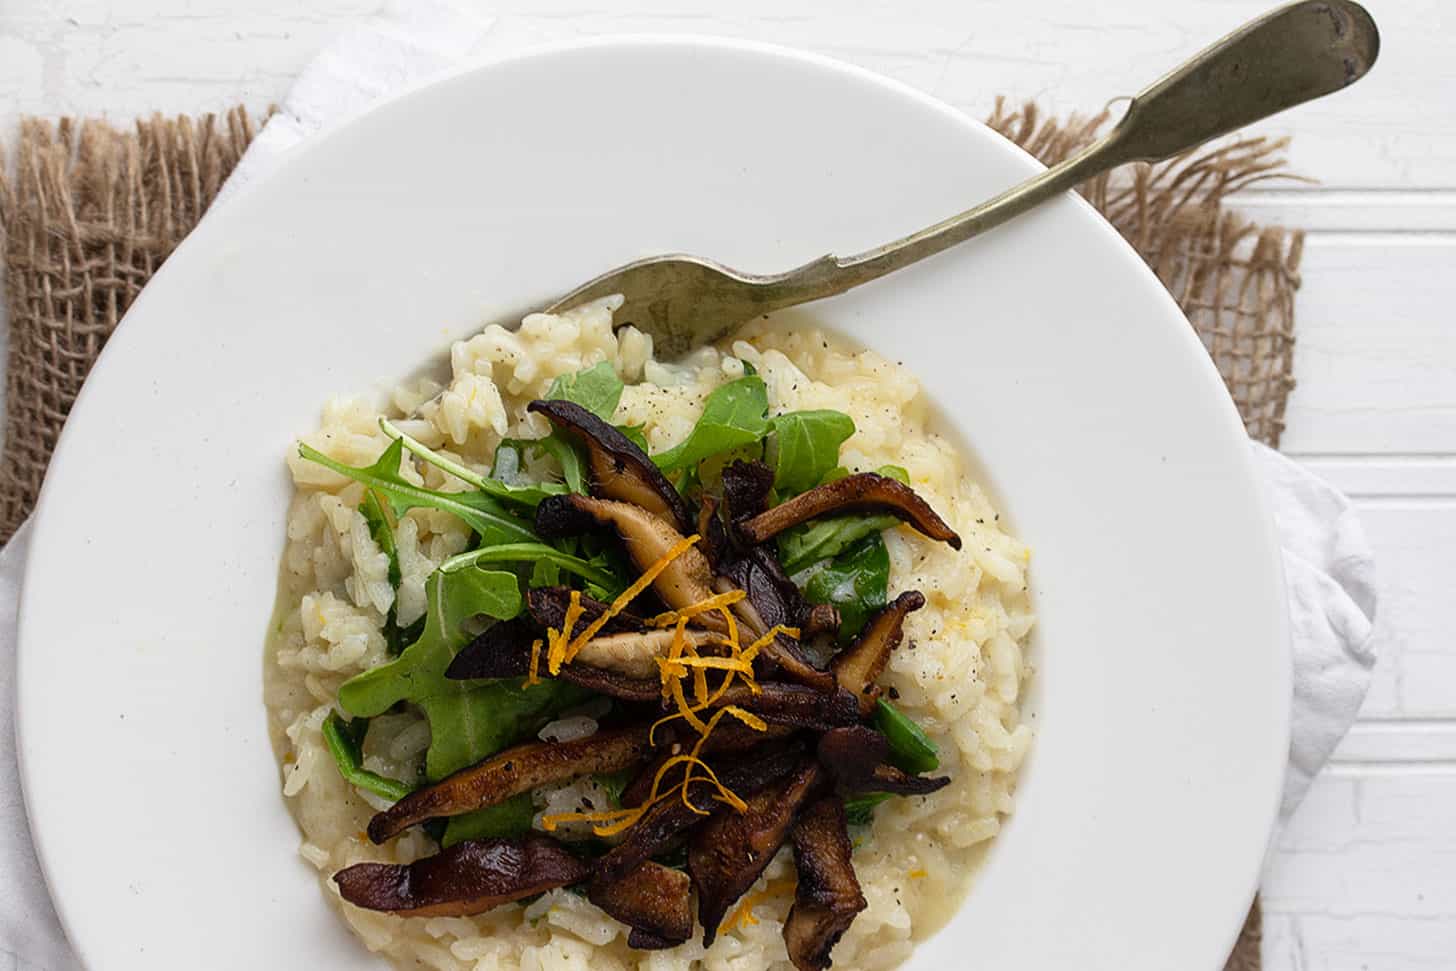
(715, 541)
(619, 469)
(511, 772)
(651, 899)
(888, 778)
(855, 756)
(687, 580)
(665, 822)
(468, 878)
(852, 753)
(828, 897)
(794, 704)
(635, 655)
(507, 654)
(612, 684)
(865, 492)
(502, 651)
(731, 737)
(857, 667)
(729, 851)
(548, 606)
(746, 488)
(820, 619)
(772, 600)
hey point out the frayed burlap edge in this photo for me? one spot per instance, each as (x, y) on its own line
(90, 211)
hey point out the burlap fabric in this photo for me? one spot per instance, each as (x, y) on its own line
(90, 211)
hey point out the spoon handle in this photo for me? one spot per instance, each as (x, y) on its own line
(1289, 56)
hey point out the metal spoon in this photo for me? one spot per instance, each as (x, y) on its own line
(1284, 58)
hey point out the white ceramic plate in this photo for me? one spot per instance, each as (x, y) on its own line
(1162, 683)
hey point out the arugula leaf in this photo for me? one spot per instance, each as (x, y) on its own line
(519, 492)
(470, 720)
(910, 748)
(635, 435)
(345, 741)
(597, 389)
(568, 454)
(735, 414)
(510, 818)
(544, 573)
(857, 582)
(379, 527)
(860, 810)
(381, 531)
(805, 446)
(822, 539)
(536, 553)
(451, 598)
(482, 513)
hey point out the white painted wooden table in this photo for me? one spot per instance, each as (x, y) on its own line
(1365, 876)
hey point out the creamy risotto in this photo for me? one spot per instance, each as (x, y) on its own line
(351, 597)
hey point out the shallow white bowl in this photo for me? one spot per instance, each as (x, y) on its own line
(1161, 687)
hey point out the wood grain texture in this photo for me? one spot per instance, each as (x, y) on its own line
(1362, 879)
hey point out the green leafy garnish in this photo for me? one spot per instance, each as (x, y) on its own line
(735, 414)
(536, 553)
(635, 435)
(382, 532)
(345, 740)
(857, 582)
(597, 389)
(568, 455)
(510, 818)
(822, 539)
(528, 495)
(379, 527)
(910, 748)
(472, 720)
(482, 513)
(805, 446)
(451, 598)
(860, 810)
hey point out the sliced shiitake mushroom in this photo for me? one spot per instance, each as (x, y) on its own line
(746, 489)
(619, 469)
(686, 581)
(468, 878)
(857, 667)
(664, 823)
(651, 899)
(855, 756)
(864, 492)
(828, 897)
(851, 753)
(548, 605)
(504, 651)
(729, 851)
(731, 737)
(518, 769)
(772, 599)
(796, 705)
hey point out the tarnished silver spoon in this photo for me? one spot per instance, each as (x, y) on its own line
(1289, 56)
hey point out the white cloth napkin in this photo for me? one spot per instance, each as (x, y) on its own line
(1328, 565)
